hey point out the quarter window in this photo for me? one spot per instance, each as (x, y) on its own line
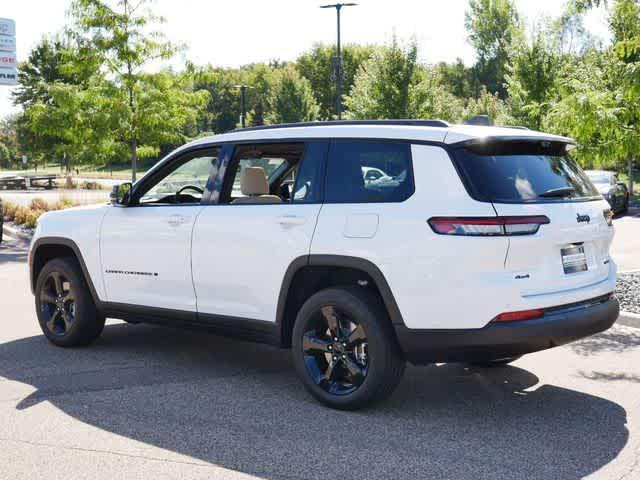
(369, 172)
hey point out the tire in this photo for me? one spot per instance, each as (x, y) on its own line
(625, 205)
(499, 362)
(66, 311)
(369, 362)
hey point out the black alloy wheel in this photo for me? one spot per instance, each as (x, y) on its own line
(57, 304)
(344, 348)
(335, 351)
(66, 310)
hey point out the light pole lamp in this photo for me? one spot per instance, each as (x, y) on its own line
(337, 63)
(243, 102)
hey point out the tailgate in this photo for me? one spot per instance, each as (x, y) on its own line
(572, 251)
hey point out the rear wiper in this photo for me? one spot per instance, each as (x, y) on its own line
(558, 192)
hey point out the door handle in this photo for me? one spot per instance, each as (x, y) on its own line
(291, 220)
(177, 220)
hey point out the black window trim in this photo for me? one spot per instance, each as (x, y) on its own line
(406, 143)
(227, 153)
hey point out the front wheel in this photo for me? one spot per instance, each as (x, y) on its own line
(345, 350)
(66, 312)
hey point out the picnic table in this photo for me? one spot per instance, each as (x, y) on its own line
(17, 182)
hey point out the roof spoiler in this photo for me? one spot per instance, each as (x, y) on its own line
(480, 120)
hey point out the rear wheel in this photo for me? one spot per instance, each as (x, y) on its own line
(498, 362)
(66, 312)
(344, 349)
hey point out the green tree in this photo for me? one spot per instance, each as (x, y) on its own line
(317, 67)
(291, 99)
(123, 39)
(531, 80)
(47, 64)
(221, 112)
(382, 86)
(487, 103)
(493, 27)
(9, 146)
(431, 96)
(76, 120)
(457, 77)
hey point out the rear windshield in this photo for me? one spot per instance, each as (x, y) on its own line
(523, 172)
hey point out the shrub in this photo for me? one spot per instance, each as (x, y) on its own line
(9, 210)
(31, 219)
(29, 215)
(39, 204)
(20, 215)
(62, 204)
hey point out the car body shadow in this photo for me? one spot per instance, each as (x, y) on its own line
(238, 405)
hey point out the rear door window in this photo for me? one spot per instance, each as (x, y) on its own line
(369, 172)
(523, 172)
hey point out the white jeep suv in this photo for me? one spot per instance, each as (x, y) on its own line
(481, 245)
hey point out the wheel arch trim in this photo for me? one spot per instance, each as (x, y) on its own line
(65, 242)
(345, 261)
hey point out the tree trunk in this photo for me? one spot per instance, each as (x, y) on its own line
(69, 184)
(134, 159)
(630, 173)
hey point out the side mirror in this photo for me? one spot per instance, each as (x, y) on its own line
(621, 184)
(120, 194)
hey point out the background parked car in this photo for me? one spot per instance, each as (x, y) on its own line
(611, 188)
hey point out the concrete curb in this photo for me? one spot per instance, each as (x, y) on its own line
(15, 232)
(629, 319)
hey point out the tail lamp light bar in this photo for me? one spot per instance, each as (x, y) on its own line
(488, 226)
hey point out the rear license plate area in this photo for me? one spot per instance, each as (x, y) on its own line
(573, 259)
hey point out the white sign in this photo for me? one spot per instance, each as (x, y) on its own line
(8, 60)
(7, 44)
(8, 76)
(7, 27)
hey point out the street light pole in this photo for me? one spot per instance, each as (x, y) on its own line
(337, 64)
(243, 103)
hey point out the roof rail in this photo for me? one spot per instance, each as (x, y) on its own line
(408, 123)
(517, 127)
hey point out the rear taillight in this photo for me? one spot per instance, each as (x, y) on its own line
(518, 316)
(488, 226)
(608, 216)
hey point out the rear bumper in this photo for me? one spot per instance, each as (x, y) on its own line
(499, 340)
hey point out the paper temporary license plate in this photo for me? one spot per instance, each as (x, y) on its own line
(573, 259)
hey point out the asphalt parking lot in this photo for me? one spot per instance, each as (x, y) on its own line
(149, 402)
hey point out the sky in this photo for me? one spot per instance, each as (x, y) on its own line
(236, 32)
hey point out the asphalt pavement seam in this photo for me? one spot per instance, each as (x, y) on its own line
(143, 457)
(109, 452)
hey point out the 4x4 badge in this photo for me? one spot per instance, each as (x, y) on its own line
(583, 218)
